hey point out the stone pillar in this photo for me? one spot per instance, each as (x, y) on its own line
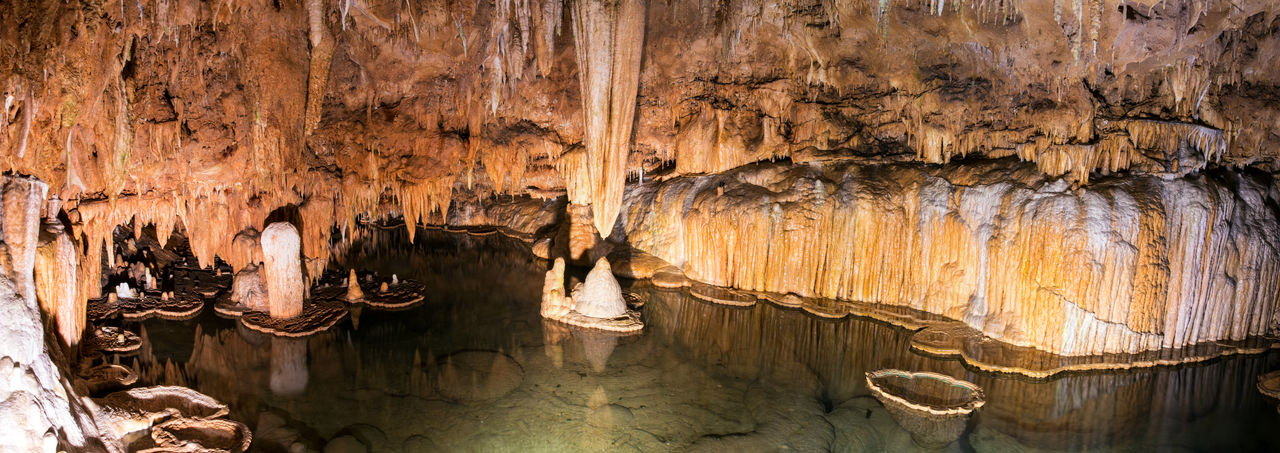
(24, 200)
(282, 267)
(56, 269)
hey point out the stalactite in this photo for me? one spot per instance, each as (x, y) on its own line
(29, 107)
(419, 201)
(322, 49)
(608, 37)
(1169, 137)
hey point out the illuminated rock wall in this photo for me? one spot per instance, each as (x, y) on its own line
(1124, 265)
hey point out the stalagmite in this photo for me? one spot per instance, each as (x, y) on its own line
(608, 36)
(249, 291)
(282, 267)
(600, 295)
(555, 300)
(353, 287)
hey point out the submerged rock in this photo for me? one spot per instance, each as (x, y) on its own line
(478, 376)
(935, 408)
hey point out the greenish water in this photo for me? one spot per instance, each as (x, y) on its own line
(474, 368)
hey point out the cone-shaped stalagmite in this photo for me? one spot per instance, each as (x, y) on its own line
(600, 296)
(608, 35)
(282, 262)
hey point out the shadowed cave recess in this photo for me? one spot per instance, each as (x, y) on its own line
(639, 225)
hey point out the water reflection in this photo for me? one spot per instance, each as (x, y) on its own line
(475, 368)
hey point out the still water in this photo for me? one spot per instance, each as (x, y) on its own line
(474, 368)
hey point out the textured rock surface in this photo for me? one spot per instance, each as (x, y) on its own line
(282, 270)
(56, 269)
(600, 295)
(192, 115)
(39, 409)
(1125, 265)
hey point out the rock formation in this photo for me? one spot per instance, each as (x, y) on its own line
(934, 407)
(282, 269)
(600, 296)
(40, 410)
(555, 300)
(56, 269)
(249, 291)
(1124, 265)
(1080, 178)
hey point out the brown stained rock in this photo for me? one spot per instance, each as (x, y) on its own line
(316, 316)
(634, 264)
(1269, 385)
(400, 296)
(183, 305)
(935, 408)
(723, 296)
(826, 308)
(197, 435)
(670, 277)
(629, 322)
(112, 340)
(182, 401)
(201, 281)
(108, 377)
(542, 248)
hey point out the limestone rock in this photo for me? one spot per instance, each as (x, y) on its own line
(248, 290)
(56, 268)
(600, 295)
(1121, 266)
(282, 266)
(555, 302)
(935, 408)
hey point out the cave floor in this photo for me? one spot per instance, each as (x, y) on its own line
(474, 368)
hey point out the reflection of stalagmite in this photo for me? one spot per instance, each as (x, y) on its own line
(596, 347)
(288, 366)
(281, 249)
(608, 36)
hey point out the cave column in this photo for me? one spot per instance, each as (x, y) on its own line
(56, 269)
(282, 268)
